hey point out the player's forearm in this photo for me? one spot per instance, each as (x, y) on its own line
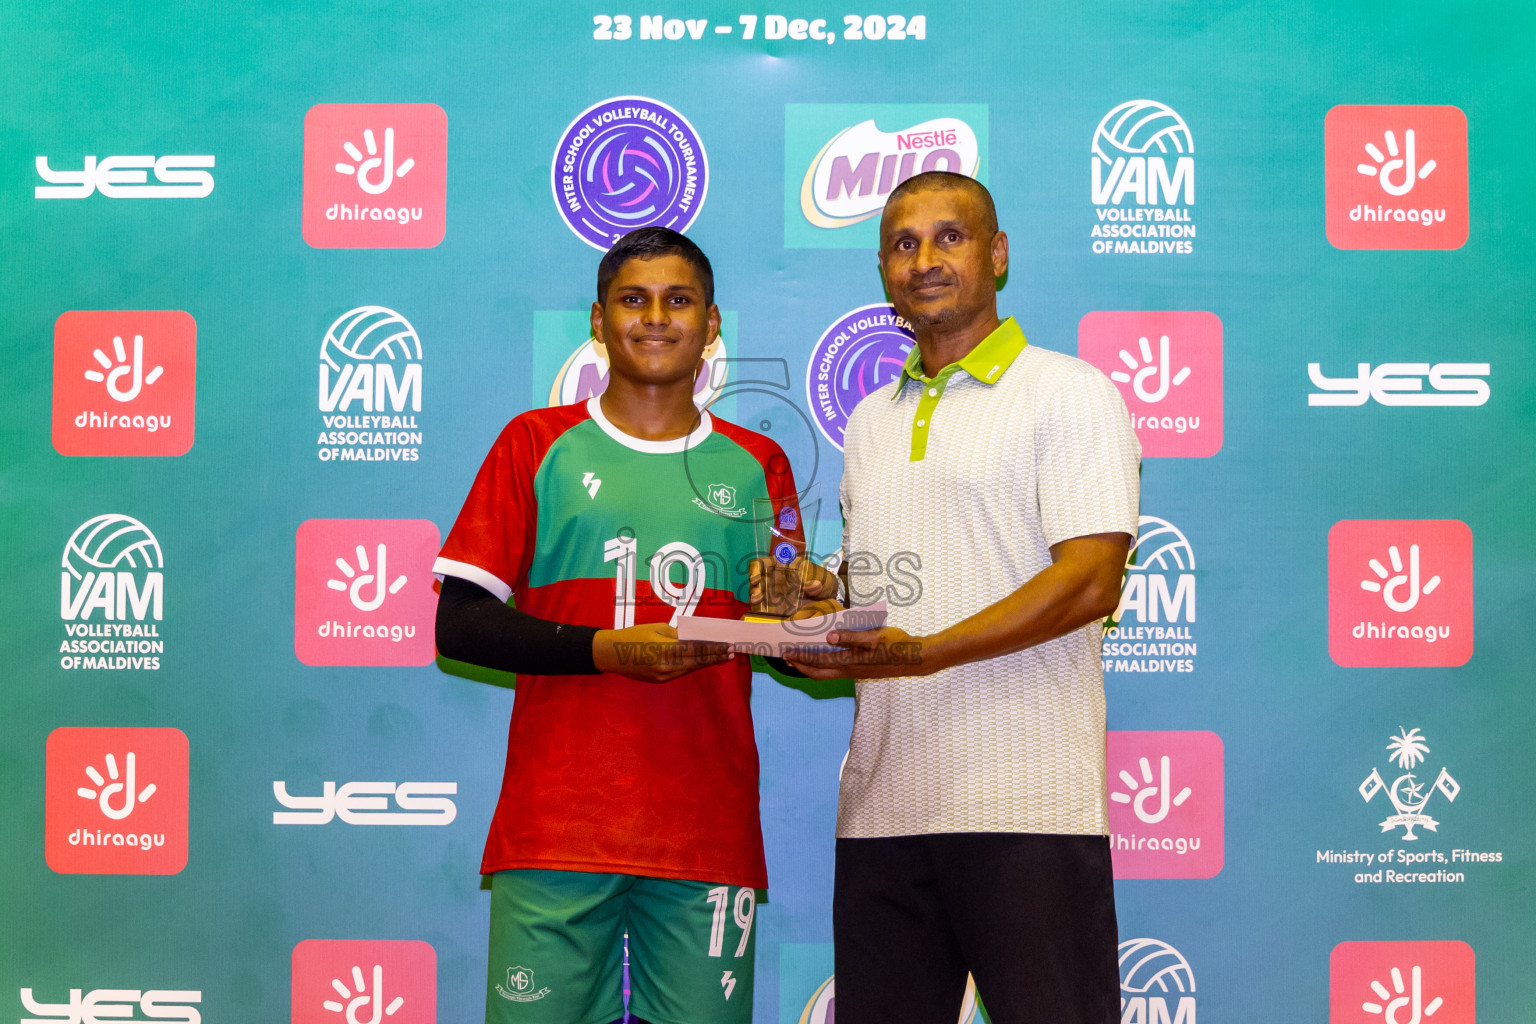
(473, 626)
(1061, 598)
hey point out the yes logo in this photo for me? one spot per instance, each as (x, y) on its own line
(1166, 804)
(124, 383)
(375, 175)
(116, 801)
(364, 982)
(1168, 369)
(1400, 592)
(367, 803)
(1396, 177)
(363, 592)
(127, 177)
(93, 1006)
(1402, 983)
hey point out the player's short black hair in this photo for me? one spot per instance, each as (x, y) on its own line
(647, 244)
(946, 181)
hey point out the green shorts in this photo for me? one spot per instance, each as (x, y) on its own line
(557, 942)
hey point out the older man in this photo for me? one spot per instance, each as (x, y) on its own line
(972, 831)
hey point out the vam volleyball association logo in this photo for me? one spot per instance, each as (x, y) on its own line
(1402, 983)
(1153, 628)
(1156, 983)
(124, 382)
(112, 595)
(1400, 592)
(862, 351)
(116, 801)
(375, 175)
(1166, 804)
(370, 388)
(364, 981)
(1167, 366)
(363, 591)
(1396, 177)
(625, 163)
(842, 162)
(1143, 181)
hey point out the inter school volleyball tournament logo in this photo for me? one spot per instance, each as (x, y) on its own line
(124, 382)
(861, 352)
(375, 175)
(370, 388)
(363, 591)
(1153, 627)
(1396, 177)
(1400, 592)
(1167, 366)
(1143, 181)
(1402, 983)
(112, 595)
(116, 801)
(842, 161)
(364, 981)
(1156, 983)
(625, 163)
(1166, 804)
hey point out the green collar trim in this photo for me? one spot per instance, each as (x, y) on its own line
(987, 362)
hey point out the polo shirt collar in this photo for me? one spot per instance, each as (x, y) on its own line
(987, 362)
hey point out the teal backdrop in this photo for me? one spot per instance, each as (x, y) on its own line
(1276, 526)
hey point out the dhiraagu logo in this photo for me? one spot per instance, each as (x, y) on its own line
(842, 160)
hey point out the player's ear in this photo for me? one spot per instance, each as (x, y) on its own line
(597, 321)
(714, 325)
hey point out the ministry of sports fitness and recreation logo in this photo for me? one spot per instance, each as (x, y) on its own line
(1167, 366)
(363, 981)
(363, 591)
(1156, 983)
(1400, 592)
(1402, 983)
(124, 382)
(1400, 384)
(1396, 177)
(862, 351)
(1143, 181)
(116, 801)
(370, 388)
(1166, 804)
(625, 163)
(127, 177)
(93, 1005)
(841, 162)
(1408, 794)
(112, 595)
(375, 175)
(1153, 627)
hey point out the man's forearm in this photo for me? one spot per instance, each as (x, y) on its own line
(1066, 595)
(474, 626)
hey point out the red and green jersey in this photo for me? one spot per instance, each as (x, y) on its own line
(578, 522)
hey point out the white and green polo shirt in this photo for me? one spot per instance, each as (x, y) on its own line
(954, 489)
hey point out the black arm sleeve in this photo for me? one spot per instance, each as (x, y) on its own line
(474, 627)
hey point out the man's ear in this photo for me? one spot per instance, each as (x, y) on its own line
(999, 254)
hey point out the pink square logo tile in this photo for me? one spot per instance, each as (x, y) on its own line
(1167, 806)
(1396, 177)
(344, 981)
(1402, 983)
(115, 801)
(1400, 592)
(375, 175)
(1167, 366)
(363, 592)
(124, 382)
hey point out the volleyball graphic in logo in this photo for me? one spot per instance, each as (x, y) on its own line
(111, 541)
(1160, 545)
(861, 352)
(1152, 966)
(625, 163)
(367, 333)
(1138, 127)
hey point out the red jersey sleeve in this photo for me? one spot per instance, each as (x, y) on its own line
(492, 540)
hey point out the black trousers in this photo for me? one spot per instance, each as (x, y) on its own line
(1031, 917)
